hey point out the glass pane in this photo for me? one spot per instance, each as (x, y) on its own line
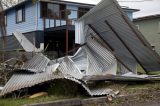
(19, 15)
(5, 20)
(53, 9)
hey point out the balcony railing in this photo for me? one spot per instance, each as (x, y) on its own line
(61, 18)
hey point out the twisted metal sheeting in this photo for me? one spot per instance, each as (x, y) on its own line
(67, 67)
(109, 21)
(29, 80)
(37, 64)
(25, 80)
(104, 61)
(80, 59)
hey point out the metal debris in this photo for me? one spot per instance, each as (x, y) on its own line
(124, 40)
(106, 45)
(25, 43)
(37, 64)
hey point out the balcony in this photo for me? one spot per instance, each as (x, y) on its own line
(61, 20)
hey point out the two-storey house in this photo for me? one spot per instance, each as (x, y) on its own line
(48, 24)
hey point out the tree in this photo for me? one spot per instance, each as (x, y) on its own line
(9, 3)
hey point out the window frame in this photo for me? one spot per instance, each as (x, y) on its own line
(44, 11)
(23, 14)
(5, 18)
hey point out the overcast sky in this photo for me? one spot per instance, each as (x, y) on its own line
(147, 7)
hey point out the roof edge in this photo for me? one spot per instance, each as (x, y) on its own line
(147, 17)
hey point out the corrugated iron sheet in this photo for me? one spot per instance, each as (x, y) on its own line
(104, 27)
(19, 81)
(37, 64)
(25, 43)
(100, 59)
(113, 26)
(29, 80)
(67, 67)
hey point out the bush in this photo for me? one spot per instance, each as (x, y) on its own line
(63, 87)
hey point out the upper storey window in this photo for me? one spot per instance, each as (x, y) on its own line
(20, 14)
(52, 10)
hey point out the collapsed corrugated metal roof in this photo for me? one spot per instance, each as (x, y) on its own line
(100, 62)
(22, 80)
(37, 64)
(104, 28)
(122, 37)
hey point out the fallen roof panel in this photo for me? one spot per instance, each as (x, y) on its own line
(37, 64)
(108, 20)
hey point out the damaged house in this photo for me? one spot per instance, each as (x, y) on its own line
(111, 49)
(48, 24)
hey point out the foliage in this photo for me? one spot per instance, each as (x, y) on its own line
(9, 3)
(63, 87)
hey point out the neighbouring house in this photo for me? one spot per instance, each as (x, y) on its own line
(48, 24)
(150, 28)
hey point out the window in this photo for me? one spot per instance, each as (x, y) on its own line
(20, 15)
(82, 11)
(51, 10)
(5, 20)
(63, 11)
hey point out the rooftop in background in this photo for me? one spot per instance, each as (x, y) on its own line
(147, 17)
(147, 7)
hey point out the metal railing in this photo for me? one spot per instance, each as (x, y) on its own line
(61, 18)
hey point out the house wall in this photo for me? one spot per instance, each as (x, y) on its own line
(27, 26)
(33, 20)
(33, 26)
(150, 28)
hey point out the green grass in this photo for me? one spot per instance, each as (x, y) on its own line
(58, 89)
(20, 102)
(125, 89)
(140, 70)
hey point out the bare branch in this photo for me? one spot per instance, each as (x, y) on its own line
(9, 3)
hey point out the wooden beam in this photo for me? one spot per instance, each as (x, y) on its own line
(110, 48)
(123, 42)
(66, 40)
(66, 34)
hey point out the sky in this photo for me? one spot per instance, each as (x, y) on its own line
(147, 7)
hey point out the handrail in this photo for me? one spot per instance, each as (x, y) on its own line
(57, 16)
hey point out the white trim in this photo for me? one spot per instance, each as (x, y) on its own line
(159, 27)
(137, 27)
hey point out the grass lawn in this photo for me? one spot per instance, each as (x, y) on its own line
(125, 89)
(20, 102)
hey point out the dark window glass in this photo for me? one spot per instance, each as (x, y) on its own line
(53, 10)
(50, 10)
(63, 11)
(20, 15)
(5, 18)
(43, 9)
